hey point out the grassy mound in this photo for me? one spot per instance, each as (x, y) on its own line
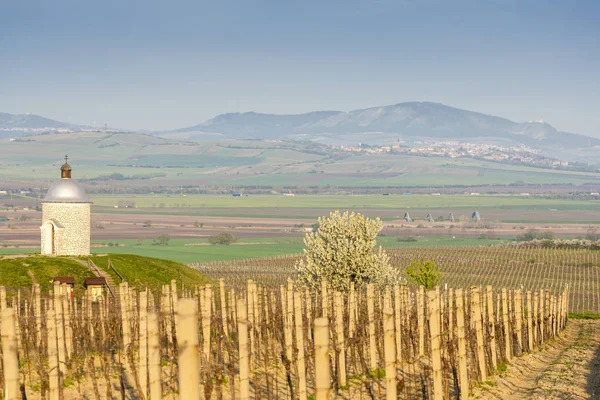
(17, 271)
(149, 272)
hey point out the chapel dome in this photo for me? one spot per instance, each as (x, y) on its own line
(65, 190)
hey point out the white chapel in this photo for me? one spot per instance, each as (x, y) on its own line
(65, 229)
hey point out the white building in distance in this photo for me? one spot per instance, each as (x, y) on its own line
(65, 229)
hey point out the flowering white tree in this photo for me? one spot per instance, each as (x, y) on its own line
(342, 250)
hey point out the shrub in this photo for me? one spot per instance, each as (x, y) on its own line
(162, 240)
(407, 239)
(342, 251)
(423, 272)
(224, 238)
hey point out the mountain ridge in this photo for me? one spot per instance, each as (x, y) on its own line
(408, 121)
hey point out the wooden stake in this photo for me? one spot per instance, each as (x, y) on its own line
(300, 363)
(143, 353)
(397, 322)
(242, 314)
(371, 315)
(390, 354)
(187, 340)
(340, 342)
(53, 368)
(491, 320)
(507, 330)
(462, 345)
(154, 369)
(9, 355)
(421, 319)
(322, 373)
(436, 357)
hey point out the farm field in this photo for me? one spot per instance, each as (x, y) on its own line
(199, 250)
(375, 201)
(146, 160)
(537, 269)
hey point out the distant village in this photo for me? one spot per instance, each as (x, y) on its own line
(521, 154)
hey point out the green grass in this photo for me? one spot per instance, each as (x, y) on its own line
(585, 315)
(15, 272)
(180, 250)
(149, 272)
(341, 202)
(138, 271)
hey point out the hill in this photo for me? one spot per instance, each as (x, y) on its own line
(17, 271)
(105, 161)
(385, 125)
(16, 125)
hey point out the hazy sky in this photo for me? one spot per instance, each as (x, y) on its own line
(168, 64)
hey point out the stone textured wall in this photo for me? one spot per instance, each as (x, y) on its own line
(72, 238)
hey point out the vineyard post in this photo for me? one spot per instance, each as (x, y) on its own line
(324, 305)
(17, 309)
(87, 300)
(536, 311)
(548, 313)
(174, 306)
(554, 315)
(529, 322)
(251, 325)
(300, 363)
(242, 315)
(351, 311)
(518, 319)
(307, 296)
(390, 354)
(387, 303)
(436, 357)
(508, 347)
(154, 369)
(421, 319)
(223, 297)
(187, 340)
(68, 326)
(206, 317)
(143, 368)
(462, 345)
(542, 314)
(322, 373)
(38, 313)
(60, 328)
(10, 356)
(123, 292)
(371, 315)
(491, 325)
(53, 368)
(289, 317)
(450, 314)
(476, 317)
(165, 310)
(340, 342)
(397, 323)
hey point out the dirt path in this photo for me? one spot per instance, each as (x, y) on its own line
(568, 368)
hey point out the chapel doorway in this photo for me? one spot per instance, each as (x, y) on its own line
(49, 233)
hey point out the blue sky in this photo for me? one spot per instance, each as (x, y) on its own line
(168, 64)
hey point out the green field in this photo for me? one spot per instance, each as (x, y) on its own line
(146, 160)
(275, 202)
(181, 250)
(137, 271)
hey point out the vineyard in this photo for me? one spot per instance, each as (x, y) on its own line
(509, 267)
(267, 342)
